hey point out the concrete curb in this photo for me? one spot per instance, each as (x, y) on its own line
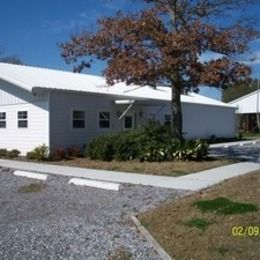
(31, 175)
(95, 184)
(162, 253)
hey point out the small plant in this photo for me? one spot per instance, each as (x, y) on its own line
(40, 153)
(74, 151)
(239, 135)
(225, 206)
(198, 223)
(58, 154)
(33, 187)
(222, 250)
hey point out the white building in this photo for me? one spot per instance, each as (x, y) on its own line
(61, 109)
(247, 108)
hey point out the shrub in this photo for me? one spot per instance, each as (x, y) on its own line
(74, 151)
(126, 146)
(102, 148)
(152, 143)
(3, 152)
(39, 153)
(13, 153)
(58, 154)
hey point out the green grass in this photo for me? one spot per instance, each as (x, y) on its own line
(251, 136)
(198, 223)
(33, 187)
(225, 206)
(222, 250)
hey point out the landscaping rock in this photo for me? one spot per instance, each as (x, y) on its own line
(72, 222)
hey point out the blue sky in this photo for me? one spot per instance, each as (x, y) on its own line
(31, 29)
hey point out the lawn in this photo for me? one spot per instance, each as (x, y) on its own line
(251, 136)
(175, 168)
(199, 226)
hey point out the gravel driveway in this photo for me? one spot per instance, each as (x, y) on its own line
(71, 222)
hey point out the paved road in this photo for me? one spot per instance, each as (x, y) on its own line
(249, 152)
(72, 222)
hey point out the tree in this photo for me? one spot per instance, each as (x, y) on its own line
(162, 45)
(10, 59)
(238, 90)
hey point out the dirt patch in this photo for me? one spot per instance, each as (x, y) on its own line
(176, 168)
(33, 187)
(176, 225)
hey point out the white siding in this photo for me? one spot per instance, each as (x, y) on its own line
(62, 104)
(62, 133)
(200, 121)
(12, 100)
(248, 104)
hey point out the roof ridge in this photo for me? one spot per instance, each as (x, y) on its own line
(49, 69)
(245, 96)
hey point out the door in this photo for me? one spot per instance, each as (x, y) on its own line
(128, 122)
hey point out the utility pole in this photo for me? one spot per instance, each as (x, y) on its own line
(257, 107)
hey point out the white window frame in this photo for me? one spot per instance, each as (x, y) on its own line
(99, 119)
(3, 120)
(78, 119)
(22, 119)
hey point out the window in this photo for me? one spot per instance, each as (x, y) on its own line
(128, 122)
(22, 119)
(167, 120)
(2, 120)
(104, 120)
(78, 119)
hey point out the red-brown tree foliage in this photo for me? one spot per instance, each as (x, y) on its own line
(162, 45)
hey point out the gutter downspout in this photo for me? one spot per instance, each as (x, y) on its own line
(257, 107)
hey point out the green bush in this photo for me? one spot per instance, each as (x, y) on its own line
(102, 148)
(39, 153)
(126, 146)
(4, 153)
(152, 143)
(13, 153)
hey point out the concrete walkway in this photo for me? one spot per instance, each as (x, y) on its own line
(192, 182)
(237, 143)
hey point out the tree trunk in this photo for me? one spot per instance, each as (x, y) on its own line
(176, 124)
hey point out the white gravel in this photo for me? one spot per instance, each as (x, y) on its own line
(72, 222)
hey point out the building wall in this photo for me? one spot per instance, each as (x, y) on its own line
(62, 104)
(248, 104)
(55, 128)
(203, 121)
(14, 99)
(200, 121)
